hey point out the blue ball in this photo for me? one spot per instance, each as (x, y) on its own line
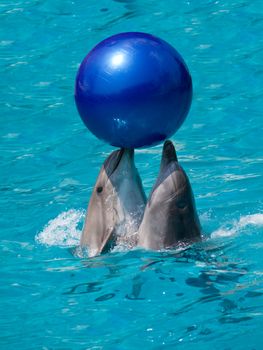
(133, 90)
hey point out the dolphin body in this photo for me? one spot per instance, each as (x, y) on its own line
(116, 206)
(170, 215)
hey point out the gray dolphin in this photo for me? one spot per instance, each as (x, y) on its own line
(116, 205)
(170, 215)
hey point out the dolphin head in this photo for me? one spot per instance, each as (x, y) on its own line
(116, 205)
(170, 215)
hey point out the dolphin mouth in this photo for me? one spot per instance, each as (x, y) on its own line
(113, 161)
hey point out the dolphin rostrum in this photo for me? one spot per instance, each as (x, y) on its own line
(170, 216)
(116, 205)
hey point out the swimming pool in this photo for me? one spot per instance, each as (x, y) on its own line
(208, 296)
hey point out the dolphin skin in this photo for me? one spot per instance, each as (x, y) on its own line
(170, 215)
(116, 205)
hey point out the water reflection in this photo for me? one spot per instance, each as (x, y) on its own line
(182, 282)
(83, 288)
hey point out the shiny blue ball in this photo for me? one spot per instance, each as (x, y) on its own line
(133, 90)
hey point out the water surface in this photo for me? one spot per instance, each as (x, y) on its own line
(207, 296)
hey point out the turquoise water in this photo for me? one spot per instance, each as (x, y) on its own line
(209, 296)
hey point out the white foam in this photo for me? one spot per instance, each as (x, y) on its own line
(244, 221)
(63, 230)
(255, 219)
(235, 177)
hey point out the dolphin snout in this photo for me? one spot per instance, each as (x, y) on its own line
(168, 155)
(128, 152)
(169, 151)
(117, 158)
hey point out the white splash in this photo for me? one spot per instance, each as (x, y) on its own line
(244, 221)
(255, 219)
(63, 230)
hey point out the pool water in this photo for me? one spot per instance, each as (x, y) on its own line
(208, 296)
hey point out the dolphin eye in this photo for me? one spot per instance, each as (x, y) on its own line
(99, 189)
(181, 204)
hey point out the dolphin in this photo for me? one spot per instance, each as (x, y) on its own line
(170, 215)
(116, 205)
